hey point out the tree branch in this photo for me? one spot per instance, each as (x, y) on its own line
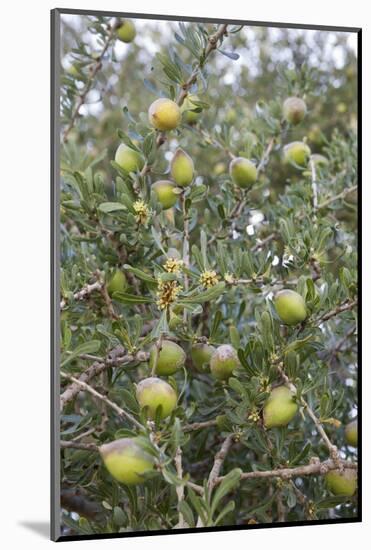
(315, 468)
(93, 72)
(115, 358)
(219, 459)
(121, 412)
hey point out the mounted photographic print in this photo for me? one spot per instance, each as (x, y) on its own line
(205, 275)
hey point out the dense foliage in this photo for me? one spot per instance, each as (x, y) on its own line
(198, 263)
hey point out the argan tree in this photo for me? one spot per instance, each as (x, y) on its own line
(208, 275)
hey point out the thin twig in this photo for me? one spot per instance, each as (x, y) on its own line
(341, 195)
(93, 72)
(83, 293)
(81, 446)
(96, 368)
(121, 412)
(219, 459)
(212, 45)
(179, 488)
(345, 306)
(199, 425)
(314, 185)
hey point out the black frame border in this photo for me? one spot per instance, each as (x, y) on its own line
(55, 270)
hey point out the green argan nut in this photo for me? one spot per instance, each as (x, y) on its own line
(201, 355)
(223, 362)
(182, 168)
(319, 160)
(164, 114)
(290, 307)
(164, 190)
(296, 153)
(294, 110)
(126, 31)
(126, 460)
(243, 172)
(351, 433)
(279, 408)
(342, 483)
(153, 393)
(189, 115)
(128, 159)
(170, 358)
(117, 283)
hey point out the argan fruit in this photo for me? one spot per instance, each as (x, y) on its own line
(170, 358)
(128, 159)
(243, 172)
(190, 116)
(223, 362)
(164, 190)
(279, 408)
(126, 31)
(342, 483)
(296, 153)
(294, 110)
(201, 355)
(219, 168)
(164, 114)
(153, 393)
(126, 460)
(319, 160)
(290, 307)
(182, 168)
(351, 433)
(117, 283)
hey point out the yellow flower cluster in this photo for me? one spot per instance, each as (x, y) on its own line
(208, 279)
(167, 293)
(172, 265)
(142, 212)
(229, 278)
(254, 416)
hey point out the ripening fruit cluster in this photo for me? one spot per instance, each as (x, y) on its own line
(182, 173)
(128, 460)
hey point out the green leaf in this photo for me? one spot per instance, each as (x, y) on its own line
(187, 513)
(87, 347)
(230, 481)
(205, 296)
(107, 207)
(140, 274)
(125, 298)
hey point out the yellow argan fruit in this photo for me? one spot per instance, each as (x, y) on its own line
(126, 460)
(290, 307)
(223, 362)
(296, 153)
(201, 355)
(189, 115)
(126, 31)
(164, 114)
(128, 159)
(170, 358)
(294, 110)
(164, 190)
(117, 283)
(342, 483)
(243, 172)
(279, 408)
(153, 393)
(351, 433)
(182, 168)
